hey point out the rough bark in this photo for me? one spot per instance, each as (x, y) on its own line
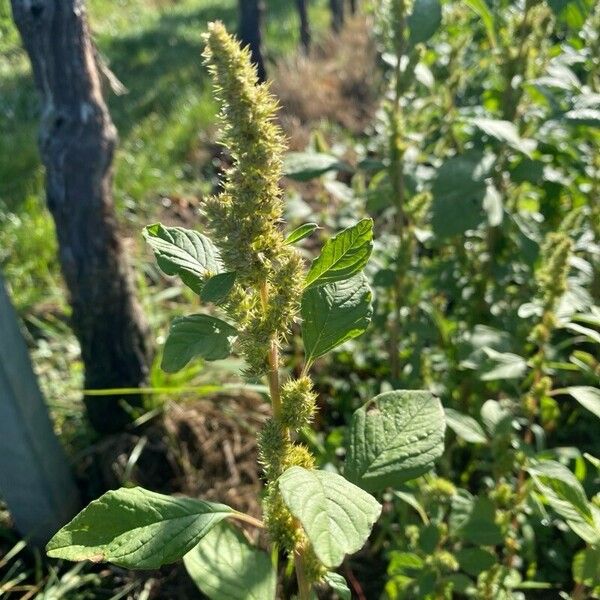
(77, 141)
(250, 32)
(35, 480)
(305, 36)
(337, 14)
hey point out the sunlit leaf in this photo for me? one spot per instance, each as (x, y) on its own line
(394, 437)
(136, 529)
(336, 515)
(225, 566)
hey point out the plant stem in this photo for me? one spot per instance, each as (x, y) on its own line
(273, 358)
(248, 519)
(303, 584)
(396, 149)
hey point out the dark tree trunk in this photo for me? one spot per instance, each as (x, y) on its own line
(77, 141)
(302, 6)
(337, 14)
(250, 32)
(353, 6)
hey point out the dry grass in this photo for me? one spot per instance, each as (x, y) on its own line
(204, 449)
(338, 82)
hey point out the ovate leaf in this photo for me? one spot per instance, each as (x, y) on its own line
(342, 256)
(184, 252)
(504, 365)
(136, 529)
(411, 500)
(465, 427)
(217, 287)
(338, 584)
(572, 12)
(562, 490)
(506, 132)
(303, 166)
(336, 516)
(495, 417)
(587, 396)
(394, 437)
(479, 525)
(424, 20)
(475, 560)
(459, 190)
(333, 314)
(586, 567)
(196, 335)
(401, 561)
(300, 233)
(225, 566)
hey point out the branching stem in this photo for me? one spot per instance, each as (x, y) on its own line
(248, 519)
(303, 583)
(273, 358)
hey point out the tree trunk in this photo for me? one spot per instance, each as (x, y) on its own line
(250, 32)
(77, 141)
(337, 14)
(302, 6)
(353, 6)
(35, 480)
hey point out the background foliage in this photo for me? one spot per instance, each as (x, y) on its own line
(474, 145)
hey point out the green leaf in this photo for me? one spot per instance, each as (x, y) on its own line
(461, 584)
(586, 567)
(336, 516)
(562, 490)
(586, 395)
(459, 189)
(300, 233)
(587, 331)
(424, 20)
(303, 166)
(394, 437)
(196, 335)
(573, 12)
(429, 538)
(465, 427)
(475, 560)
(342, 256)
(495, 417)
(217, 287)
(136, 529)
(333, 314)
(184, 252)
(338, 584)
(411, 500)
(225, 566)
(482, 10)
(506, 132)
(400, 561)
(588, 532)
(583, 116)
(478, 523)
(505, 365)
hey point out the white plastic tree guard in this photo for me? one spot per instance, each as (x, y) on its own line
(35, 480)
